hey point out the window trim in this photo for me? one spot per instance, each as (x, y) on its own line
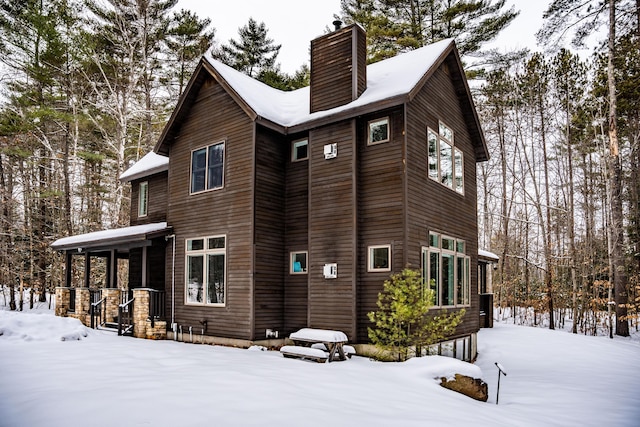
(205, 252)
(437, 175)
(206, 176)
(369, 135)
(293, 150)
(458, 257)
(145, 199)
(370, 259)
(291, 257)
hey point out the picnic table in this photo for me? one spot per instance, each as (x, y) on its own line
(318, 344)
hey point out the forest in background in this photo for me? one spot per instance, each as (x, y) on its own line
(87, 87)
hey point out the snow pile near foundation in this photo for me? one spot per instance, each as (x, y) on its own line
(16, 326)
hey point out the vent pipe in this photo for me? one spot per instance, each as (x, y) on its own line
(337, 24)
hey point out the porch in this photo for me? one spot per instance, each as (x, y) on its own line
(136, 306)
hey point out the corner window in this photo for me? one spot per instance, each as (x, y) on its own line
(300, 150)
(378, 131)
(206, 265)
(207, 168)
(379, 258)
(445, 161)
(446, 271)
(298, 263)
(143, 198)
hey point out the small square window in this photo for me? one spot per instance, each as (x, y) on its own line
(298, 264)
(300, 150)
(379, 258)
(378, 131)
(448, 244)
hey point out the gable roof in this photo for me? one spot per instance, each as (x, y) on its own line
(389, 83)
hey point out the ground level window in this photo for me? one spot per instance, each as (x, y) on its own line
(206, 265)
(379, 258)
(446, 271)
(298, 263)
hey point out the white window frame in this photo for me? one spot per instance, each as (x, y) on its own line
(461, 290)
(143, 199)
(292, 257)
(370, 259)
(445, 137)
(298, 143)
(378, 122)
(206, 168)
(205, 252)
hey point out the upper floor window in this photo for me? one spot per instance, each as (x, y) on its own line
(207, 168)
(445, 161)
(300, 150)
(143, 198)
(378, 131)
(206, 261)
(379, 258)
(298, 263)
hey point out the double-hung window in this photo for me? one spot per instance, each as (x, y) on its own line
(207, 168)
(446, 271)
(206, 265)
(143, 198)
(445, 160)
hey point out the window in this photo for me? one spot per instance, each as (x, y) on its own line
(445, 161)
(378, 131)
(143, 198)
(379, 258)
(447, 271)
(298, 263)
(206, 262)
(207, 168)
(300, 150)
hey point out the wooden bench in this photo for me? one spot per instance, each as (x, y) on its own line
(304, 353)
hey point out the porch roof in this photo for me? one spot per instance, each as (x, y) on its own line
(126, 237)
(488, 256)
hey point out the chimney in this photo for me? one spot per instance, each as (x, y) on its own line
(338, 67)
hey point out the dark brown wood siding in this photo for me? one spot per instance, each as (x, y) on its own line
(215, 117)
(380, 208)
(296, 238)
(332, 228)
(271, 152)
(157, 199)
(432, 206)
(333, 66)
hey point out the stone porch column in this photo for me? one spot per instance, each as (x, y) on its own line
(62, 301)
(83, 305)
(112, 301)
(142, 325)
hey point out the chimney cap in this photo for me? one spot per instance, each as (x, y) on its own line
(337, 24)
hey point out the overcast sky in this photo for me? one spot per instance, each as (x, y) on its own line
(294, 23)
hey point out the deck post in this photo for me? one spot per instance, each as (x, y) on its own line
(87, 269)
(67, 272)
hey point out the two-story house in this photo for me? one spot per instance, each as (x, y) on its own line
(271, 211)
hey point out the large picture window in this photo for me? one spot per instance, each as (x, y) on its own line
(206, 266)
(445, 161)
(446, 270)
(207, 168)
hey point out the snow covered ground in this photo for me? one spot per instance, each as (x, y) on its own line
(94, 378)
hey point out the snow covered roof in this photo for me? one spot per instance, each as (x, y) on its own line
(386, 79)
(109, 238)
(150, 164)
(488, 255)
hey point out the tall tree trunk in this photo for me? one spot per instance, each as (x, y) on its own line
(616, 230)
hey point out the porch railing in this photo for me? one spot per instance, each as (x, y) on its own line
(157, 301)
(97, 311)
(125, 317)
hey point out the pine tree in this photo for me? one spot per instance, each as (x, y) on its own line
(403, 324)
(254, 53)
